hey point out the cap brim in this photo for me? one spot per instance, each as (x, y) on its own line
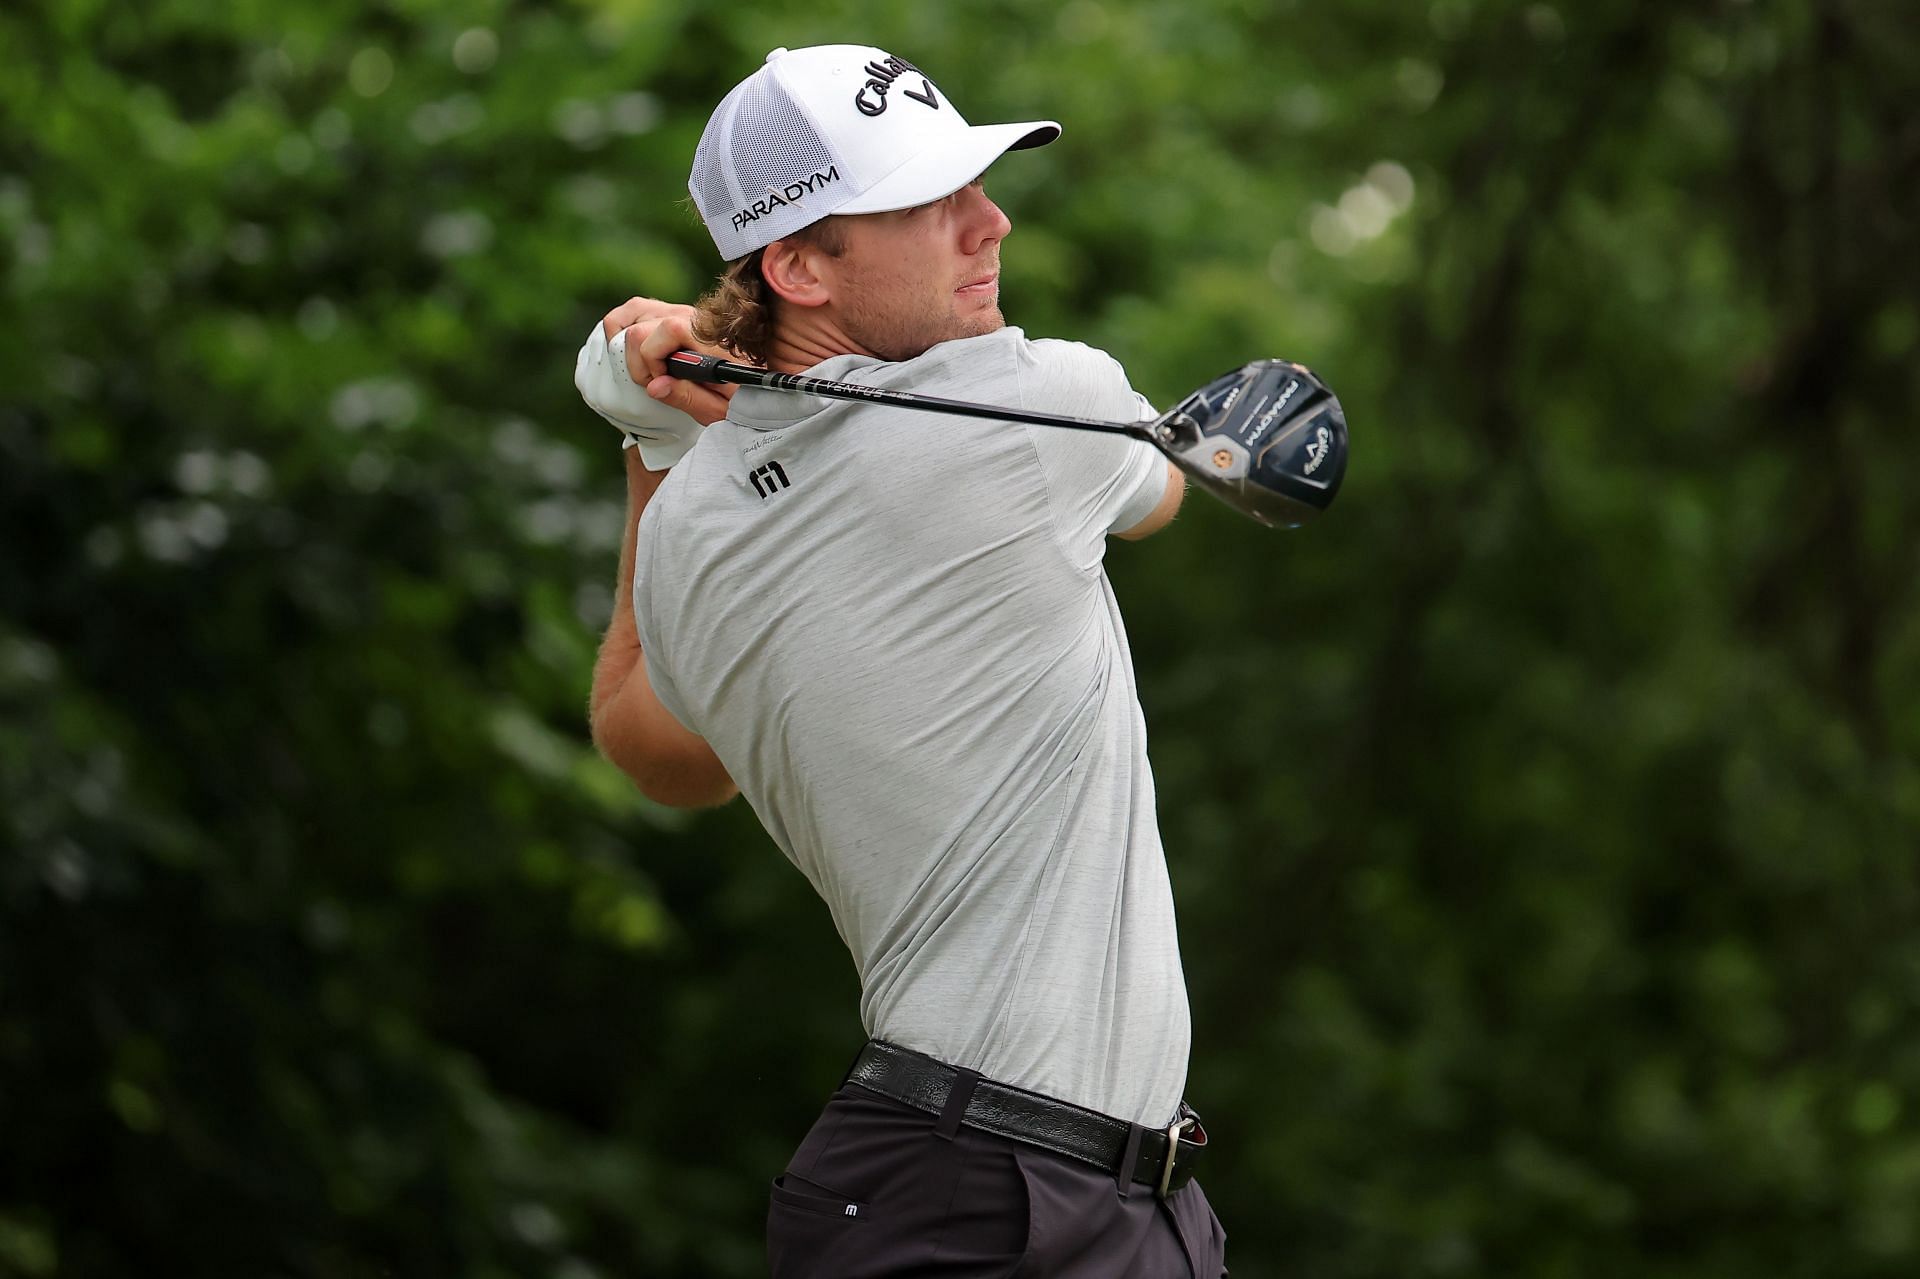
(935, 174)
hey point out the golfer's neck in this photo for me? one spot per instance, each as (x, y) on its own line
(804, 337)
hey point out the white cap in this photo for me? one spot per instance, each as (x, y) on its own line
(838, 128)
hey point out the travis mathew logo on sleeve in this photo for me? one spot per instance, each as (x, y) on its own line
(788, 194)
(872, 97)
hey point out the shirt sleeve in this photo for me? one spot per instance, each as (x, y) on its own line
(651, 647)
(1096, 484)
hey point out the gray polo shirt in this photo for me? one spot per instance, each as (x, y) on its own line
(895, 631)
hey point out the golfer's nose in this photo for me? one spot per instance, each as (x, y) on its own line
(982, 223)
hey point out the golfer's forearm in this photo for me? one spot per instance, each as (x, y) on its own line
(618, 662)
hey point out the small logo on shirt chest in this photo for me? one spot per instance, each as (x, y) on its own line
(769, 479)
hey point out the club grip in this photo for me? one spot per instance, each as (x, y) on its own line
(693, 366)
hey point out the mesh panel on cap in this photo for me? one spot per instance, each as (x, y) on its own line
(710, 192)
(760, 143)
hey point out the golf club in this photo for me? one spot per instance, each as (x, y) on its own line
(1268, 439)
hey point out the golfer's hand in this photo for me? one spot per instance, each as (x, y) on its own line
(650, 340)
(653, 411)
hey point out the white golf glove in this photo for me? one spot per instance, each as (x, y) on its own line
(662, 434)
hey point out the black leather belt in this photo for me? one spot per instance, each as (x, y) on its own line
(1159, 1157)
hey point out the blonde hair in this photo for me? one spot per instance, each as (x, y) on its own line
(741, 309)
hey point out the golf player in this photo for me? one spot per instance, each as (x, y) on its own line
(893, 634)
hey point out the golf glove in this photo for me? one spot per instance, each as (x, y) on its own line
(662, 434)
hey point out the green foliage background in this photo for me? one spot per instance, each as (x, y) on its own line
(1542, 822)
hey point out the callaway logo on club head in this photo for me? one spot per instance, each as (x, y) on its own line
(1317, 449)
(786, 195)
(872, 96)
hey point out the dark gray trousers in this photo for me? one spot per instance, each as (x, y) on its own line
(878, 1190)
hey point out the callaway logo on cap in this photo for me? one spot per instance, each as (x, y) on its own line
(839, 128)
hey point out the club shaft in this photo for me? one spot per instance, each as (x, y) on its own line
(701, 368)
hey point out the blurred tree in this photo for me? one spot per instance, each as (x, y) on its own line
(1542, 822)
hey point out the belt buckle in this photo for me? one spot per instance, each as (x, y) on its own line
(1174, 1131)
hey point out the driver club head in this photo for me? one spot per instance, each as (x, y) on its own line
(1268, 439)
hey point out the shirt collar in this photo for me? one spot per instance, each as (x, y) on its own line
(761, 409)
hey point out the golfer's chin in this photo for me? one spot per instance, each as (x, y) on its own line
(972, 321)
(979, 318)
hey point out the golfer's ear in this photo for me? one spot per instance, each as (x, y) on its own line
(794, 270)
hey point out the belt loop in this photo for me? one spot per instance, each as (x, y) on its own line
(956, 1108)
(1127, 1161)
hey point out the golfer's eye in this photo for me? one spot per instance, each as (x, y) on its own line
(947, 201)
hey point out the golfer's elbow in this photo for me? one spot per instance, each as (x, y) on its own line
(678, 788)
(670, 766)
